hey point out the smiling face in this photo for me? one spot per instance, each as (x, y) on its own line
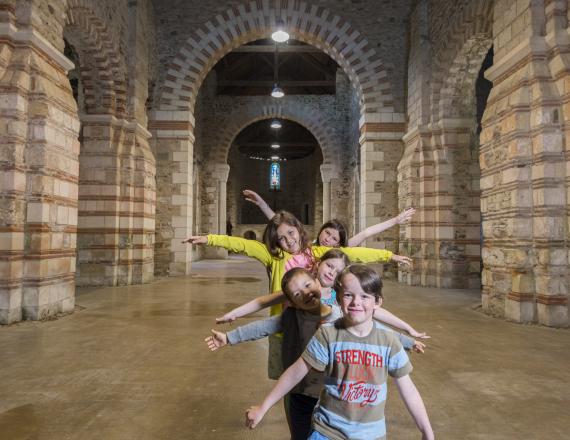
(328, 271)
(304, 292)
(329, 237)
(357, 305)
(288, 238)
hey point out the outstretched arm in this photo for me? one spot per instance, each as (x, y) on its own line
(286, 382)
(415, 405)
(385, 316)
(255, 305)
(403, 217)
(253, 197)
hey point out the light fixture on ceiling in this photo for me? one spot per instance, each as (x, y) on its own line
(276, 124)
(274, 157)
(277, 91)
(275, 146)
(280, 35)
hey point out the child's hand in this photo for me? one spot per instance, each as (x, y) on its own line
(406, 261)
(253, 197)
(406, 215)
(419, 347)
(415, 334)
(253, 416)
(197, 239)
(216, 340)
(228, 317)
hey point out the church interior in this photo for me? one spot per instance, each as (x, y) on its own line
(129, 126)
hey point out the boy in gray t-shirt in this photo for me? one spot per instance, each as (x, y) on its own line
(356, 356)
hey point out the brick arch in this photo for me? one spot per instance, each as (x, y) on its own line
(254, 20)
(103, 70)
(467, 38)
(296, 112)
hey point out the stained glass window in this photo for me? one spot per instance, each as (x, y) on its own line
(274, 177)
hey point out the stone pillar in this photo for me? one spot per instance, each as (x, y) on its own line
(525, 223)
(14, 79)
(51, 166)
(381, 149)
(99, 239)
(143, 206)
(220, 177)
(456, 205)
(173, 144)
(327, 174)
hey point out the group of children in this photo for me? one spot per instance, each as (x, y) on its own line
(328, 337)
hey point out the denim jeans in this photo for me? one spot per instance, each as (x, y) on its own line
(317, 436)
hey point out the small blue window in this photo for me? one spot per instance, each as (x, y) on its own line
(274, 177)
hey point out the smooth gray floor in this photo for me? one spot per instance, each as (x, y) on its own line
(131, 364)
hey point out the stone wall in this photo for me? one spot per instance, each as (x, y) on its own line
(57, 194)
(518, 176)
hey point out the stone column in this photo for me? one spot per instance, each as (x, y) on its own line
(380, 150)
(173, 144)
(456, 205)
(99, 237)
(220, 177)
(13, 115)
(327, 174)
(50, 155)
(524, 208)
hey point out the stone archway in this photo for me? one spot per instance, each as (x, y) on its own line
(296, 111)
(116, 167)
(439, 171)
(173, 121)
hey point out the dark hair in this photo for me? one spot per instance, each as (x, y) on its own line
(335, 224)
(335, 253)
(368, 279)
(289, 275)
(270, 238)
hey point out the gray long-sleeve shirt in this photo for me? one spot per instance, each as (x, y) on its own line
(298, 327)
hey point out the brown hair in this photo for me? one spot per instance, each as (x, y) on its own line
(368, 279)
(335, 224)
(335, 253)
(271, 240)
(289, 275)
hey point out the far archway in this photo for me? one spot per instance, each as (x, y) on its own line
(287, 176)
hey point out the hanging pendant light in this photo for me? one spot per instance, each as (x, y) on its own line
(276, 124)
(277, 91)
(280, 35)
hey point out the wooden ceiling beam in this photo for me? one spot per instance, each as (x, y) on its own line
(257, 48)
(248, 83)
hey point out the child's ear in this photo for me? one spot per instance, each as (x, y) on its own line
(378, 303)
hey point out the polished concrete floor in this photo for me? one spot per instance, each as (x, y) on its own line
(131, 364)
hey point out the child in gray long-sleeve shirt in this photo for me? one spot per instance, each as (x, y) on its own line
(298, 324)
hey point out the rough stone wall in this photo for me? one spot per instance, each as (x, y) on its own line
(516, 186)
(97, 196)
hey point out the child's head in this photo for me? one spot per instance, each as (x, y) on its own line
(360, 292)
(285, 232)
(333, 234)
(302, 289)
(332, 263)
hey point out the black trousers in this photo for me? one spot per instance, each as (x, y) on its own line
(301, 413)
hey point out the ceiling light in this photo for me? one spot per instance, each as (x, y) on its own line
(274, 157)
(276, 124)
(277, 92)
(275, 146)
(280, 35)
